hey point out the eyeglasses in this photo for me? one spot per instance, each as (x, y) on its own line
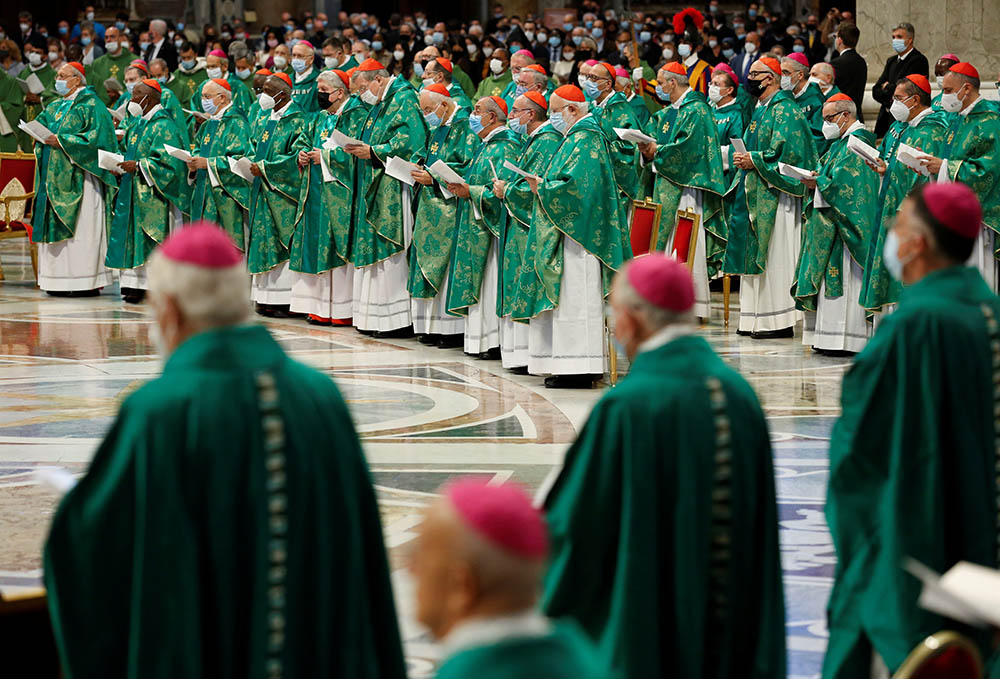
(518, 111)
(831, 118)
(595, 78)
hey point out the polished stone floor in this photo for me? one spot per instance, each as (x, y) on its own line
(424, 415)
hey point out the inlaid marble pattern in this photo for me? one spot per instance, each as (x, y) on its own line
(425, 415)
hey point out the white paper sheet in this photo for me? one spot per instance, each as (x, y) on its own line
(516, 170)
(628, 134)
(241, 167)
(5, 127)
(197, 114)
(950, 601)
(118, 114)
(145, 172)
(338, 139)
(31, 84)
(738, 145)
(400, 169)
(444, 173)
(178, 153)
(109, 161)
(35, 129)
(327, 175)
(794, 171)
(862, 150)
(910, 157)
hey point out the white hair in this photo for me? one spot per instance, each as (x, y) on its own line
(670, 75)
(841, 105)
(580, 106)
(794, 65)
(222, 90)
(536, 77)
(436, 97)
(494, 108)
(208, 298)
(332, 79)
(158, 25)
(654, 317)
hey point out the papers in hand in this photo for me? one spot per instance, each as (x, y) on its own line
(36, 130)
(910, 157)
(516, 170)
(862, 150)
(118, 114)
(444, 173)
(109, 161)
(241, 167)
(201, 115)
(338, 140)
(31, 84)
(179, 154)
(968, 593)
(400, 169)
(738, 145)
(628, 134)
(794, 172)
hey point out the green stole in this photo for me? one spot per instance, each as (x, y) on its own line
(41, 195)
(437, 142)
(120, 245)
(201, 179)
(258, 156)
(314, 203)
(895, 139)
(952, 131)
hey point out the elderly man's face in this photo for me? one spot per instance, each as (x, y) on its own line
(444, 585)
(304, 52)
(818, 73)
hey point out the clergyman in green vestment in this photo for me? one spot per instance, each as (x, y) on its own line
(913, 456)
(72, 192)
(837, 224)
(477, 564)
(12, 111)
(111, 64)
(304, 78)
(227, 526)
(664, 519)
(153, 191)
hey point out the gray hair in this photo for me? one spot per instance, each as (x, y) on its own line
(113, 84)
(158, 25)
(225, 93)
(841, 105)
(794, 65)
(208, 298)
(332, 79)
(825, 69)
(162, 63)
(654, 317)
(535, 76)
(239, 50)
(906, 27)
(493, 107)
(540, 112)
(368, 76)
(670, 75)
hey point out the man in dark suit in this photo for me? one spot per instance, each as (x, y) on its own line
(159, 46)
(850, 67)
(815, 49)
(742, 62)
(907, 60)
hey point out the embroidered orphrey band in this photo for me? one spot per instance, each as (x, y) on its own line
(277, 505)
(993, 328)
(721, 525)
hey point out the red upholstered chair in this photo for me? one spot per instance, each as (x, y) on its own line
(645, 227)
(945, 655)
(17, 191)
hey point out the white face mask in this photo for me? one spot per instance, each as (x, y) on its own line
(111, 47)
(398, 55)
(266, 102)
(279, 61)
(786, 82)
(213, 72)
(831, 130)
(899, 110)
(817, 82)
(750, 48)
(34, 58)
(684, 50)
(53, 56)
(668, 53)
(488, 52)
(369, 97)
(951, 103)
(134, 109)
(496, 66)
(714, 94)
(940, 80)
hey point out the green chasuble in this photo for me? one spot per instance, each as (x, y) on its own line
(225, 200)
(666, 579)
(459, 96)
(493, 85)
(746, 102)
(849, 188)
(242, 98)
(463, 79)
(912, 468)
(274, 197)
(730, 123)
(200, 544)
(778, 132)
(642, 114)
(519, 290)
(142, 211)
(304, 90)
(927, 134)
(105, 67)
(185, 83)
(83, 125)
(12, 109)
(811, 100)
(578, 199)
(688, 156)
(321, 240)
(615, 111)
(564, 652)
(972, 148)
(481, 220)
(435, 217)
(47, 76)
(168, 100)
(395, 127)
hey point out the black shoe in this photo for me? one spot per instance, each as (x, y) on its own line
(774, 334)
(133, 295)
(455, 341)
(519, 370)
(430, 339)
(58, 293)
(491, 355)
(744, 333)
(85, 293)
(264, 310)
(399, 333)
(572, 381)
(834, 353)
(366, 333)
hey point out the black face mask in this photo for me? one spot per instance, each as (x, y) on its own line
(582, 55)
(755, 87)
(323, 99)
(4, 54)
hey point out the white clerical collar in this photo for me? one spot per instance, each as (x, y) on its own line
(75, 92)
(920, 116)
(677, 104)
(152, 112)
(692, 59)
(488, 631)
(276, 114)
(805, 88)
(493, 133)
(588, 115)
(858, 125)
(630, 97)
(968, 109)
(905, 54)
(539, 129)
(731, 103)
(665, 336)
(37, 68)
(218, 114)
(824, 91)
(299, 77)
(388, 86)
(764, 102)
(451, 116)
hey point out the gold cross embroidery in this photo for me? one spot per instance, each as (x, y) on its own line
(206, 139)
(114, 71)
(265, 136)
(368, 123)
(666, 127)
(950, 137)
(324, 134)
(434, 147)
(753, 125)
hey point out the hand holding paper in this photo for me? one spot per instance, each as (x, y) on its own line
(635, 136)
(445, 174)
(178, 153)
(109, 161)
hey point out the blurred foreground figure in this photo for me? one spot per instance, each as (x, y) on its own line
(663, 520)
(227, 526)
(478, 563)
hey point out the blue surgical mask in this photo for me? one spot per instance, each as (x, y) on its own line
(591, 90)
(180, 26)
(162, 79)
(567, 27)
(645, 36)
(243, 73)
(298, 65)
(625, 23)
(557, 122)
(85, 40)
(554, 40)
(131, 85)
(516, 126)
(144, 45)
(476, 123)
(752, 13)
(208, 106)
(418, 69)
(684, 50)
(62, 89)
(376, 45)
(519, 90)
(63, 30)
(890, 256)
(120, 25)
(577, 39)
(728, 53)
(661, 94)
(433, 120)
(597, 33)
(188, 65)
(798, 48)
(898, 45)
(588, 24)
(438, 37)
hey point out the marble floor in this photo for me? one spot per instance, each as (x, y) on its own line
(424, 415)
